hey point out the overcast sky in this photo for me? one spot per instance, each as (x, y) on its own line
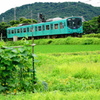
(8, 4)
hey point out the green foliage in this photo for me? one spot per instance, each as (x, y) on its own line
(22, 21)
(21, 42)
(92, 26)
(15, 70)
(2, 43)
(14, 22)
(3, 27)
(92, 35)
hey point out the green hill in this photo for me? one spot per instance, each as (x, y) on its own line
(51, 10)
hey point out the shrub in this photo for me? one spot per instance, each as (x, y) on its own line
(15, 71)
(92, 35)
(2, 43)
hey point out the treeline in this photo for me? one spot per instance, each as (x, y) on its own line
(51, 10)
(92, 26)
(12, 23)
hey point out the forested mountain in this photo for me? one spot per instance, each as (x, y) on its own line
(51, 10)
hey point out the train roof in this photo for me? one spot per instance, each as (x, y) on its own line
(53, 19)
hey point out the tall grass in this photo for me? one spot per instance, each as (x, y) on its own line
(70, 73)
(92, 35)
(55, 95)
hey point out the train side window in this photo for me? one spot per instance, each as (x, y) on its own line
(47, 27)
(31, 29)
(24, 30)
(9, 31)
(55, 26)
(12, 31)
(18, 30)
(39, 28)
(35, 28)
(61, 25)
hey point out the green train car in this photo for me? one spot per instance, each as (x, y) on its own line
(56, 27)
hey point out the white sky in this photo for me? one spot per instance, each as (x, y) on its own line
(8, 4)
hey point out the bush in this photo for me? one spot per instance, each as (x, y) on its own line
(92, 35)
(15, 71)
(2, 43)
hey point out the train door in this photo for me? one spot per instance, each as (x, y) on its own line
(35, 31)
(43, 29)
(31, 31)
(62, 28)
(51, 29)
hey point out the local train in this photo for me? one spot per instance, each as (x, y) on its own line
(56, 27)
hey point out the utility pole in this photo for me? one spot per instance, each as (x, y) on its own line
(3, 19)
(15, 13)
(1, 36)
(38, 18)
(31, 16)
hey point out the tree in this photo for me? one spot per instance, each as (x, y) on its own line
(98, 24)
(13, 22)
(92, 26)
(29, 21)
(3, 27)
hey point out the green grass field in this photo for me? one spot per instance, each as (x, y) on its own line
(65, 48)
(64, 72)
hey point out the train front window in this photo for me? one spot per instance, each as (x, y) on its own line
(74, 23)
